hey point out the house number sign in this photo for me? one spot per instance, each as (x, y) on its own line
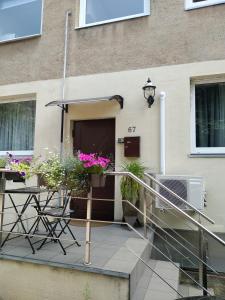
(132, 129)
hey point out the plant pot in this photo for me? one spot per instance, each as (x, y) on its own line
(41, 180)
(97, 180)
(130, 214)
(16, 177)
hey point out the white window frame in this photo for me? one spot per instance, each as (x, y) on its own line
(189, 4)
(194, 149)
(27, 36)
(17, 152)
(82, 15)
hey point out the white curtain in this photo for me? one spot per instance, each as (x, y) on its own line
(17, 120)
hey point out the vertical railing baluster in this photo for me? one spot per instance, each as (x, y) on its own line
(2, 204)
(203, 265)
(145, 217)
(87, 259)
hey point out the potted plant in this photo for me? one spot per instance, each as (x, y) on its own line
(130, 190)
(76, 178)
(95, 166)
(50, 172)
(21, 166)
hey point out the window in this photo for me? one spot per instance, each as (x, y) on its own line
(192, 4)
(208, 118)
(93, 12)
(17, 120)
(20, 19)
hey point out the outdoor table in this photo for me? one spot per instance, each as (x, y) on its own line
(31, 192)
(3, 173)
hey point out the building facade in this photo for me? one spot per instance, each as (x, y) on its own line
(112, 50)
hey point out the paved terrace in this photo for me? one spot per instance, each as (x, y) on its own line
(108, 250)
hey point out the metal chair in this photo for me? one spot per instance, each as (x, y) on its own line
(55, 228)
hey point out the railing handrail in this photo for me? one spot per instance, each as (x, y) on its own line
(180, 198)
(151, 190)
(117, 223)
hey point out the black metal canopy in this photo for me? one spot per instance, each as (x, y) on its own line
(63, 104)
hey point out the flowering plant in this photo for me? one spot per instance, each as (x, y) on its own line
(21, 166)
(51, 171)
(93, 163)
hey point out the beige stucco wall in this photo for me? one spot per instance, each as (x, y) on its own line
(174, 80)
(26, 281)
(170, 35)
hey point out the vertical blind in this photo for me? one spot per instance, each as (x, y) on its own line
(210, 115)
(17, 121)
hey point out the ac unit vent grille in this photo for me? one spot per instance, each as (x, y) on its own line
(177, 186)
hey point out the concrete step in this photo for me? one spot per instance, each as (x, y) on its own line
(125, 261)
(151, 287)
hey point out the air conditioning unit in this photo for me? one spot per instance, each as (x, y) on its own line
(189, 188)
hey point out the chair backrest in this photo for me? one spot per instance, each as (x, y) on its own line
(66, 202)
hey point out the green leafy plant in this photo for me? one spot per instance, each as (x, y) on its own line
(130, 189)
(67, 172)
(2, 162)
(76, 177)
(51, 171)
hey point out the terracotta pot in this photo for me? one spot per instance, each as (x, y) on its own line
(97, 180)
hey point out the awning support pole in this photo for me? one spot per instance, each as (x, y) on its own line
(68, 13)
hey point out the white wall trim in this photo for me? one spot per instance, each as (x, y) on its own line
(17, 153)
(189, 4)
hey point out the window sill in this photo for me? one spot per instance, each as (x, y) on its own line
(197, 5)
(17, 153)
(202, 155)
(21, 38)
(112, 21)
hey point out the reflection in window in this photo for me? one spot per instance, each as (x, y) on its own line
(98, 11)
(20, 19)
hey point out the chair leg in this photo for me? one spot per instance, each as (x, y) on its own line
(62, 227)
(52, 233)
(70, 231)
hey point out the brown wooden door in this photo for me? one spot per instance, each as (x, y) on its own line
(96, 136)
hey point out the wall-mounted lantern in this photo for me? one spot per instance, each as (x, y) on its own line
(149, 92)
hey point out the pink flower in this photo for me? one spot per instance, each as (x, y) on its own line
(93, 160)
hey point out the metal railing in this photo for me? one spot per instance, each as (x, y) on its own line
(202, 230)
(89, 243)
(179, 198)
(148, 218)
(166, 201)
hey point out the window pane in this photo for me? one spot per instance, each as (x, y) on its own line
(19, 18)
(17, 122)
(210, 115)
(101, 10)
